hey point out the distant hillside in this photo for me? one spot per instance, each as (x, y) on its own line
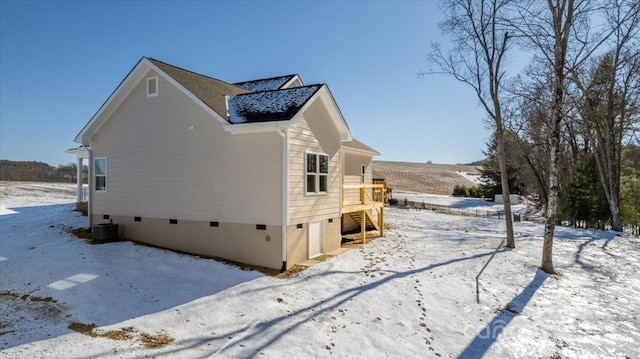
(425, 177)
(36, 171)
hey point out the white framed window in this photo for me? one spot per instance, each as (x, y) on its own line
(100, 173)
(316, 173)
(363, 171)
(152, 86)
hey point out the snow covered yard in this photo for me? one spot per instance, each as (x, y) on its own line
(409, 295)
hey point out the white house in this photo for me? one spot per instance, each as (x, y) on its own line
(251, 172)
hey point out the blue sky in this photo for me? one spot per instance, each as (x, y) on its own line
(59, 62)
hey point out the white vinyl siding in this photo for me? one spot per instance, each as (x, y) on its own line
(313, 133)
(168, 158)
(353, 175)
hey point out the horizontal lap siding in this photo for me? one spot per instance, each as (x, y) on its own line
(159, 167)
(313, 132)
(352, 172)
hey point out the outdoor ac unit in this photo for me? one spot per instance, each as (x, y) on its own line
(105, 232)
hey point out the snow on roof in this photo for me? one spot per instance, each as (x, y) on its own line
(266, 106)
(274, 83)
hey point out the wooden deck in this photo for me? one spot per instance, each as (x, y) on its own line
(365, 207)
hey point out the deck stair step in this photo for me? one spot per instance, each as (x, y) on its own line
(370, 223)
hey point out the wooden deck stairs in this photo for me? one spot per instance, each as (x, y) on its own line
(371, 224)
(361, 211)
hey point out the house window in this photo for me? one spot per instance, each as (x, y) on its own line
(100, 173)
(152, 86)
(362, 173)
(317, 173)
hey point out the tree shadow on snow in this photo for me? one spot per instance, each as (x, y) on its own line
(489, 334)
(262, 332)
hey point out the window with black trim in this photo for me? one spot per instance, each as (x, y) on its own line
(152, 86)
(317, 172)
(100, 174)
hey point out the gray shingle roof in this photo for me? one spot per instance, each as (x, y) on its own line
(266, 106)
(211, 91)
(269, 84)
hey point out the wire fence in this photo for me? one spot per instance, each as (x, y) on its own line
(469, 212)
(633, 229)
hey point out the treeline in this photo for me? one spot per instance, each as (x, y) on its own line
(38, 171)
(582, 198)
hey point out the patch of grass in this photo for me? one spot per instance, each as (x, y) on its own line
(6, 293)
(155, 341)
(125, 333)
(33, 298)
(84, 233)
(120, 334)
(82, 328)
(293, 270)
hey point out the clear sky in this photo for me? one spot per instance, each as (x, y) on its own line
(60, 61)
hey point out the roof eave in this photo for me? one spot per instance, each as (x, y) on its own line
(359, 151)
(291, 80)
(255, 127)
(84, 136)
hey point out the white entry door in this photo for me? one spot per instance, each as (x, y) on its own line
(316, 238)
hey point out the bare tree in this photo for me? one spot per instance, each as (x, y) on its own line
(482, 41)
(559, 32)
(610, 99)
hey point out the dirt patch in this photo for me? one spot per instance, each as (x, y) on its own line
(82, 328)
(84, 233)
(288, 273)
(18, 310)
(26, 297)
(154, 341)
(120, 334)
(354, 240)
(125, 333)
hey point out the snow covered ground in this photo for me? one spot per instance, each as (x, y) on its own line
(464, 205)
(409, 295)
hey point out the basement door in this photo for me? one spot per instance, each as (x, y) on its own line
(316, 238)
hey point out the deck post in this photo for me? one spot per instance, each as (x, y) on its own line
(363, 227)
(381, 221)
(363, 218)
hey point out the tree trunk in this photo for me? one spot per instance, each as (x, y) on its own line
(552, 203)
(562, 21)
(504, 179)
(616, 221)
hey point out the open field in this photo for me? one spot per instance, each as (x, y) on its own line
(426, 177)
